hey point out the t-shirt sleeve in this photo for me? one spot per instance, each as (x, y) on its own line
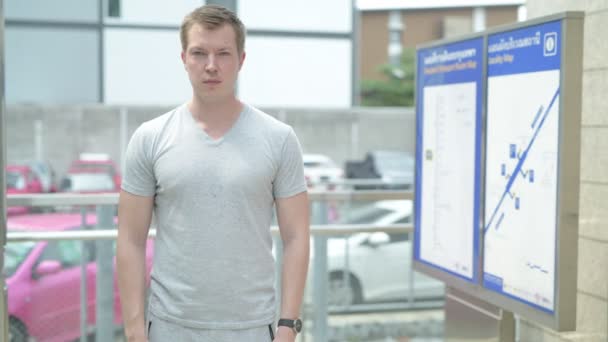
(289, 180)
(138, 177)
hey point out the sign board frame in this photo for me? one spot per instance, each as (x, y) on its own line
(563, 315)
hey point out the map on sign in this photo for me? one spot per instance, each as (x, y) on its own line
(521, 164)
(448, 152)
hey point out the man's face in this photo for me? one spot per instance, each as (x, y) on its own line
(212, 61)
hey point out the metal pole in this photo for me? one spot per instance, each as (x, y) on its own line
(3, 295)
(320, 277)
(38, 140)
(410, 295)
(124, 136)
(104, 310)
(83, 279)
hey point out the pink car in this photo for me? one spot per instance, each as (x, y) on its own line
(43, 280)
(21, 179)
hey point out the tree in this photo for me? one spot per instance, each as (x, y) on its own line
(397, 89)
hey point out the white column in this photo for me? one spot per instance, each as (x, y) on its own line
(479, 19)
(395, 32)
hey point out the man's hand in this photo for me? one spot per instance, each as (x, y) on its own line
(285, 334)
(141, 338)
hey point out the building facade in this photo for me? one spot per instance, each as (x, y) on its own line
(127, 52)
(389, 26)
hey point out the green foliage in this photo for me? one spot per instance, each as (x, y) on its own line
(397, 89)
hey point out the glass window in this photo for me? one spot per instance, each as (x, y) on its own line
(52, 65)
(114, 8)
(56, 10)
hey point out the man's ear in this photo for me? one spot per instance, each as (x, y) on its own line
(242, 60)
(183, 57)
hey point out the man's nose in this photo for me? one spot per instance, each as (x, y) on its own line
(211, 63)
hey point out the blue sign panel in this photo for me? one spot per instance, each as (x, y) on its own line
(449, 94)
(519, 233)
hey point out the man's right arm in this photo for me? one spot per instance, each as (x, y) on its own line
(134, 217)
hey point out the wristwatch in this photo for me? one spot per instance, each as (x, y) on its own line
(295, 324)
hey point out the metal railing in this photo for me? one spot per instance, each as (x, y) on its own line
(320, 230)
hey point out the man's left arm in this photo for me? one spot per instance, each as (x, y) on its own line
(294, 225)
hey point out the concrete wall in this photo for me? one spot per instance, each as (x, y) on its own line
(592, 297)
(69, 130)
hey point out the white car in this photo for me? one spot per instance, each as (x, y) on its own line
(320, 169)
(379, 264)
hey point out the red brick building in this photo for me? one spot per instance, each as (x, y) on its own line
(390, 25)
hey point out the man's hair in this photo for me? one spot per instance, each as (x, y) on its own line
(212, 17)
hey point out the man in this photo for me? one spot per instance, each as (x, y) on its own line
(211, 171)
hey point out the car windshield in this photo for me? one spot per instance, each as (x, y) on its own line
(14, 254)
(78, 182)
(15, 180)
(98, 167)
(312, 164)
(394, 161)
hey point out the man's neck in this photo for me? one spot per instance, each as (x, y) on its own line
(215, 112)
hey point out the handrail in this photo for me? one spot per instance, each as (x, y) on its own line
(42, 200)
(100, 233)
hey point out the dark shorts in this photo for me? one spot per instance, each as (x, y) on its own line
(160, 330)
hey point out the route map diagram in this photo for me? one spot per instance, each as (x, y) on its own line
(521, 186)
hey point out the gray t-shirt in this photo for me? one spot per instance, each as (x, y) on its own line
(213, 264)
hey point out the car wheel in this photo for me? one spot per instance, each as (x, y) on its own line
(343, 293)
(17, 331)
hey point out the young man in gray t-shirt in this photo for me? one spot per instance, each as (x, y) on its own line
(211, 171)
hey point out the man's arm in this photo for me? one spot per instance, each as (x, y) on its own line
(134, 217)
(294, 225)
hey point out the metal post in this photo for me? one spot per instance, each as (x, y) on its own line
(83, 279)
(346, 275)
(3, 295)
(320, 277)
(38, 140)
(104, 310)
(124, 135)
(410, 295)
(471, 319)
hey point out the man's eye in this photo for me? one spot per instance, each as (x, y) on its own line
(224, 53)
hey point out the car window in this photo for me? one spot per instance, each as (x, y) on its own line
(399, 237)
(106, 168)
(312, 164)
(14, 254)
(88, 182)
(15, 180)
(65, 251)
(368, 217)
(406, 219)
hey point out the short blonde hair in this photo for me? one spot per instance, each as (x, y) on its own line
(212, 17)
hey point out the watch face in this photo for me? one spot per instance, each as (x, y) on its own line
(297, 325)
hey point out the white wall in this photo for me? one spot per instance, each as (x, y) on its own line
(144, 67)
(297, 15)
(303, 72)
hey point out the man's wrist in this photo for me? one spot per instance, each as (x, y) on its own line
(286, 332)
